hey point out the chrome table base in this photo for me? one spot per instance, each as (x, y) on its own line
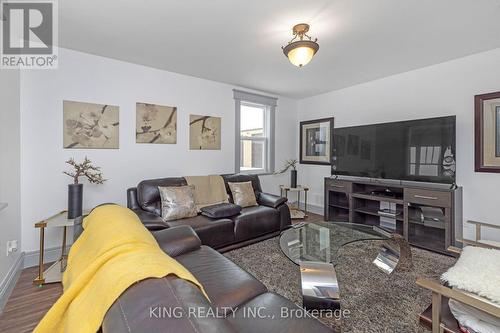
(320, 288)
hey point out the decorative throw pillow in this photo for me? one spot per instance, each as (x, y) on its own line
(243, 194)
(221, 210)
(177, 202)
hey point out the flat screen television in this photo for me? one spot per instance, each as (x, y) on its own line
(417, 150)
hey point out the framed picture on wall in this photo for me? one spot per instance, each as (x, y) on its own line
(204, 132)
(90, 126)
(487, 132)
(155, 124)
(315, 141)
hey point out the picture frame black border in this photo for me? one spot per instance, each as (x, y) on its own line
(478, 133)
(307, 122)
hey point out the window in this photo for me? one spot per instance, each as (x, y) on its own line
(254, 133)
(253, 138)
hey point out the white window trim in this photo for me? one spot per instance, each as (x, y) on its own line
(271, 103)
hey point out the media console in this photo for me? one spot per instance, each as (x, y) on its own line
(427, 215)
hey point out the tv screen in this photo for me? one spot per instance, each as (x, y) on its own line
(416, 150)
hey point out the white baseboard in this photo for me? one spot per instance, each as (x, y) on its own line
(10, 281)
(50, 255)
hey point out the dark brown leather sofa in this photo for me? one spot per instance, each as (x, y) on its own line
(238, 301)
(253, 224)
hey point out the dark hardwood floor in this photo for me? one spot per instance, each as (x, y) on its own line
(310, 218)
(28, 304)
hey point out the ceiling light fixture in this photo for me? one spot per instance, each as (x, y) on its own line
(301, 50)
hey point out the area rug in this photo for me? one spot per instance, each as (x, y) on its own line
(377, 302)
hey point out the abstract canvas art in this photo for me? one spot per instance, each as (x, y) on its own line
(155, 124)
(90, 126)
(204, 132)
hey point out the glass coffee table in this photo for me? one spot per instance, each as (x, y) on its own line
(315, 248)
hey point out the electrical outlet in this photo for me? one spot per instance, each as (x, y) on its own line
(11, 247)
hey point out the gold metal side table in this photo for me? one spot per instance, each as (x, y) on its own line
(285, 189)
(54, 272)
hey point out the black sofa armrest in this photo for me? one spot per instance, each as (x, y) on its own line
(151, 221)
(270, 200)
(132, 202)
(177, 240)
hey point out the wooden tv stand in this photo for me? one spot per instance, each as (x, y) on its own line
(358, 201)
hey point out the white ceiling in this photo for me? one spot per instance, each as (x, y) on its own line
(239, 41)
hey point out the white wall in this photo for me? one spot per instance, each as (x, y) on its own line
(443, 89)
(88, 78)
(10, 221)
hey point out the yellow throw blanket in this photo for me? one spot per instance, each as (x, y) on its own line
(208, 190)
(114, 251)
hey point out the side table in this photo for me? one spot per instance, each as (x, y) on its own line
(54, 272)
(285, 189)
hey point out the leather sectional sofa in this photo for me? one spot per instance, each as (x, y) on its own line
(238, 301)
(253, 224)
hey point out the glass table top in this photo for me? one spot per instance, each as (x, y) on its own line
(321, 241)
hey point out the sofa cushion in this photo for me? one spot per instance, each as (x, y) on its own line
(221, 210)
(278, 314)
(243, 194)
(226, 284)
(212, 232)
(163, 306)
(238, 178)
(177, 202)
(255, 221)
(148, 194)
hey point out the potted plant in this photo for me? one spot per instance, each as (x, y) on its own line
(75, 190)
(291, 163)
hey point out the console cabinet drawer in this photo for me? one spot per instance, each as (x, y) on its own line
(338, 185)
(428, 197)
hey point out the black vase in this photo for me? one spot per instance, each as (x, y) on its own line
(293, 178)
(75, 200)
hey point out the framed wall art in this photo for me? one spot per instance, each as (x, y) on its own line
(487, 132)
(204, 132)
(315, 141)
(155, 124)
(90, 126)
